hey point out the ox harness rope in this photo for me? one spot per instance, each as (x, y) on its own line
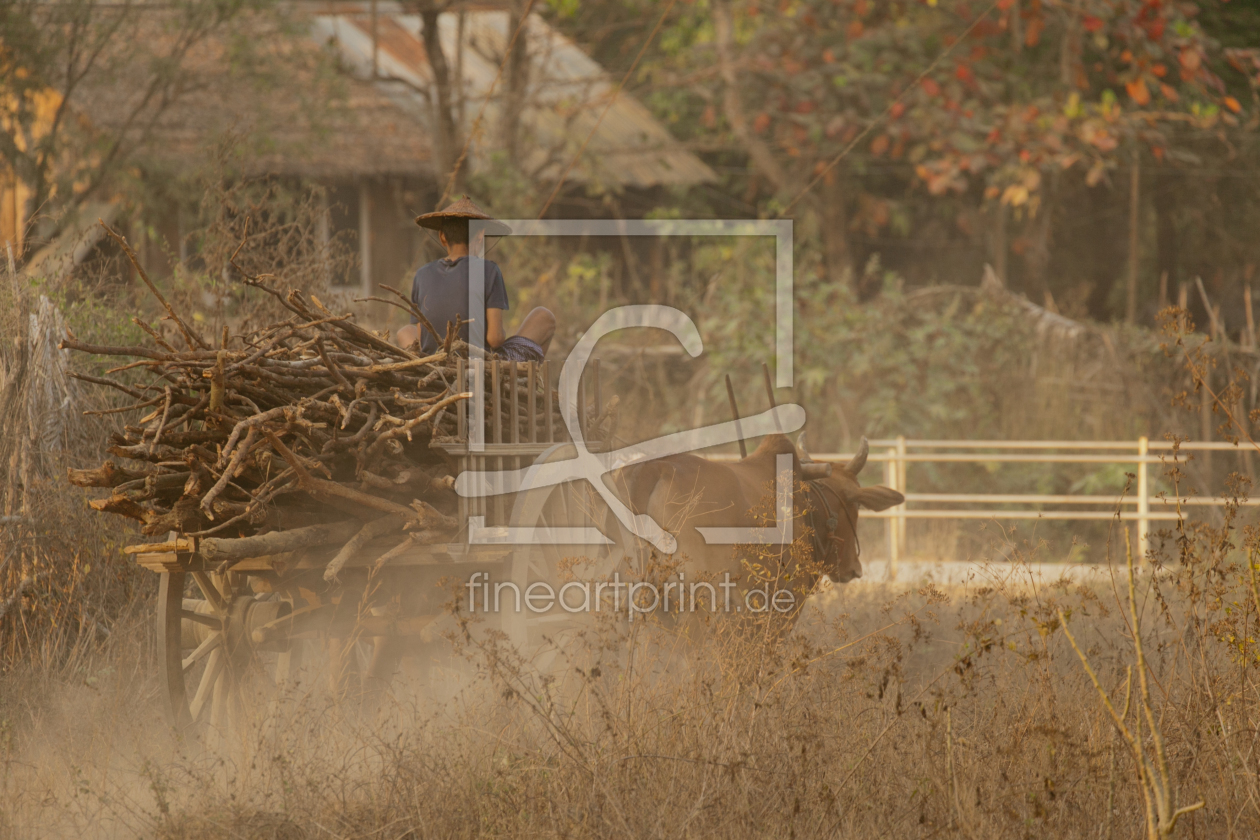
(826, 538)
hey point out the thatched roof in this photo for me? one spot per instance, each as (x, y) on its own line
(302, 120)
(293, 118)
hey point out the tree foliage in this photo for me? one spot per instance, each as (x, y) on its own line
(56, 55)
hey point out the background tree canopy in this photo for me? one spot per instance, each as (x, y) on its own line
(966, 132)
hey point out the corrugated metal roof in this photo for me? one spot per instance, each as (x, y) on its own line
(565, 95)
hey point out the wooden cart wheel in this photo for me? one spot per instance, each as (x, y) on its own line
(216, 674)
(211, 669)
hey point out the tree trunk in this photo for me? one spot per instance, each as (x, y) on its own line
(450, 143)
(758, 151)
(835, 230)
(1038, 260)
(517, 81)
(1164, 196)
(998, 245)
(1135, 181)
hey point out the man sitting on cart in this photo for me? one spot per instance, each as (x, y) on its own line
(440, 292)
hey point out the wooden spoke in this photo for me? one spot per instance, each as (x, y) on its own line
(219, 700)
(209, 679)
(211, 592)
(211, 643)
(200, 618)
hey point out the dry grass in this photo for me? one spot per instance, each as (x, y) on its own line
(898, 714)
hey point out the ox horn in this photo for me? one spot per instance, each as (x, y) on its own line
(813, 470)
(859, 460)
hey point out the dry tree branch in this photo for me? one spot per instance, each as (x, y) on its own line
(1157, 784)
(190, 335)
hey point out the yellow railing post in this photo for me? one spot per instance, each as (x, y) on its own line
(890, 479)
(1143, 499)
(902, 543)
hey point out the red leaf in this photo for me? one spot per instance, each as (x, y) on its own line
(761, 122)
(897, 110)
(880, 144)
(1092, 24)
(1032, 34)
(931, 88)
(1232, 104)
(1137, 90)
(1190, 59)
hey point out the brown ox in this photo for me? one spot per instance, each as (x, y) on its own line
(686, 492)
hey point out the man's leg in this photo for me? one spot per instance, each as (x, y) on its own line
(539, 327)
(406, 335)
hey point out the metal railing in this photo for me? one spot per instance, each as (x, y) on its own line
(897, 453)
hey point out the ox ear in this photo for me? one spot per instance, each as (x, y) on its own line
(859, 460)
(877, 497)
(802, 452)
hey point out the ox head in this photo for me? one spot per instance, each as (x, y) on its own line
(840, 493)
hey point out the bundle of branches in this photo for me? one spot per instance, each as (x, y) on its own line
(308, 431)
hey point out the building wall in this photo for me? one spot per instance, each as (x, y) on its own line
(13, 196)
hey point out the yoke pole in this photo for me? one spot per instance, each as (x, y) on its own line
(730, 395)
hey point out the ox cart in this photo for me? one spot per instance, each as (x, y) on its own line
(303, 476)
(236, 618)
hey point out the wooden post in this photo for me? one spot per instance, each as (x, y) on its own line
(902, 542)
(515, 403)
(1143, 499)
(1205, 424)
(890, 479)
(1163, 290)
(730, 395)
(1251, 317)
(547, 402)
(365, 238)
(531, 388)
(1135, 181)
(461, 407)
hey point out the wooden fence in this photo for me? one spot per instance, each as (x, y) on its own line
(1140, 507)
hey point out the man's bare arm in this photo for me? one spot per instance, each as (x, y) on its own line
(495, 335)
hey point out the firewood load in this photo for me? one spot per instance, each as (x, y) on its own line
(309, 431)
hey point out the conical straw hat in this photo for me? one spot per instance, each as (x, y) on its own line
(462, 209)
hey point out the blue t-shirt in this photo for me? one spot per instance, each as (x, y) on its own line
(440, 291)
